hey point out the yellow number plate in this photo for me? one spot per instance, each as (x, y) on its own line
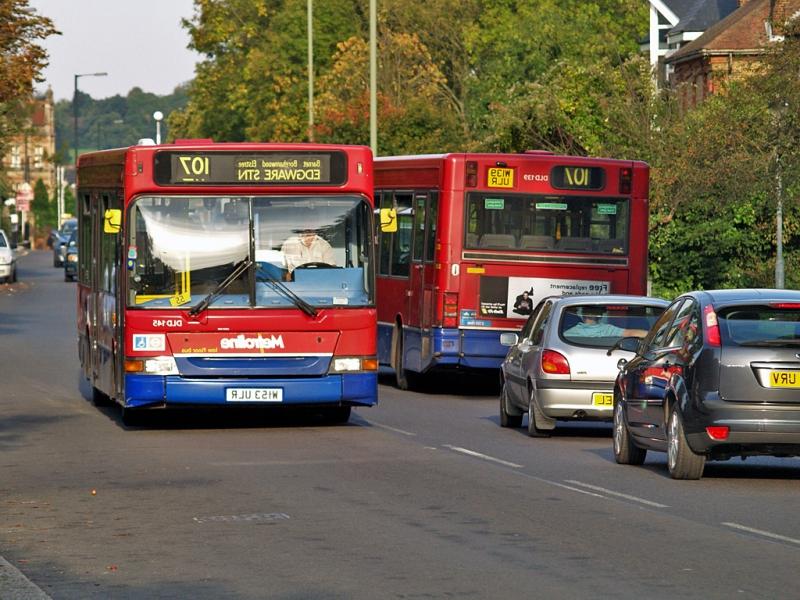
(500, 178)
(784, 379)
(599, 399)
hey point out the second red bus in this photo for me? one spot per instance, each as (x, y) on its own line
(479, 239)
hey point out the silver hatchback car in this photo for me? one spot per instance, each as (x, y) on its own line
(558, 366)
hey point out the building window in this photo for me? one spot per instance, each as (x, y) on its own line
(38, 157)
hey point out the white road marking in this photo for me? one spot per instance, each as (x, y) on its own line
(395, 429)
(767, 534)
(13, 584)
(243, 518)
(617, 494)
(483, 456)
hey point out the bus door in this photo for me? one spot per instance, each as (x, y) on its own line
(105, 320)
(422, 301)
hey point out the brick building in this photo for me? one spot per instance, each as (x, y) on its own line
(29, 155)
(728, 48)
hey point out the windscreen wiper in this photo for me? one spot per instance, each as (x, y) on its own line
(283, 290)
(240, 268)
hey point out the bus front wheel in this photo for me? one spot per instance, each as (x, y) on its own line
(400, 374)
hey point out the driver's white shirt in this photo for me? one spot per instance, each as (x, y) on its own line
(296, 253)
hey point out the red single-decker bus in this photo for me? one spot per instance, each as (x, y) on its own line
(469, 243)
(227, 274)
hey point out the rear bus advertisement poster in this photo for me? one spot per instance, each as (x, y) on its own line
(516, 297)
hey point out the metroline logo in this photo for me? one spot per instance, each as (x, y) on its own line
(241, 342)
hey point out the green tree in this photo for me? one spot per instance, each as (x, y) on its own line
(41, 207)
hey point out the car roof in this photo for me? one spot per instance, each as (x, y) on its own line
(736, 296)
(565, 301)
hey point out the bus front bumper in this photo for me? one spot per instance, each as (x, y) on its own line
(356, 389)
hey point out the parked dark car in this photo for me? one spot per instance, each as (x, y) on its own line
(557, 367)
(60, 239)
(717, 376)
(71, 258)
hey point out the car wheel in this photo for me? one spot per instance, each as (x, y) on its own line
(682, 461)
(534, 417)
(13, 278)
(507, 419)
(56, 264)
(625, 452)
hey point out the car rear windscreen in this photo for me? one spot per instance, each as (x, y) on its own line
(760, 325)
(602, 325)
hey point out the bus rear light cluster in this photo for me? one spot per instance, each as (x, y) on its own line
(450, 310)
(625, 180)
(159, 365)
(471, 176)
(555, 363)
(351, 364)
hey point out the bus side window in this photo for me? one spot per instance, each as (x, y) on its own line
(403, 238)
(430, 226)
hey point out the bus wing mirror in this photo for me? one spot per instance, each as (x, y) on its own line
(112, 220)
(388, 220)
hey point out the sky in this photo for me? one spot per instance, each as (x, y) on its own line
(139, 43)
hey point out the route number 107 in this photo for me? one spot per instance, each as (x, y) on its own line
(194, 166)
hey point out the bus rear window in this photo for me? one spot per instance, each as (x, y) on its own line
(547, 223)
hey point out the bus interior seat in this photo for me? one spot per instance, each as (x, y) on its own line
(498, 240)
(572, 244)
(607, 246)
(536, 242)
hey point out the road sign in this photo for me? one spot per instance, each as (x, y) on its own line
(24, 196)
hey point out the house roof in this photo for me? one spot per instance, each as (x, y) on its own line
(742, 30)
(699, 15)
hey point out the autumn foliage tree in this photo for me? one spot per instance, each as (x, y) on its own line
(22, 60)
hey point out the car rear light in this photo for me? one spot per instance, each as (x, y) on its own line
(718, 433)
(555, 363)
(786, 305)
(450, 310)
(471, 176)
(711, 327)
(625, 180)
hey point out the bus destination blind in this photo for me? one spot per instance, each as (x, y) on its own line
(250, 168)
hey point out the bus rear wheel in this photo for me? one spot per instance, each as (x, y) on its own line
(400, 374)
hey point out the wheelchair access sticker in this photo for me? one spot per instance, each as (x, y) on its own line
(151, 342)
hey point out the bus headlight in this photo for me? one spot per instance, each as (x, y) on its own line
(353, 364)
(158, 365)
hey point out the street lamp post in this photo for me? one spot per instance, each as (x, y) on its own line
(778, 110)
(158, 116)
(75, 111)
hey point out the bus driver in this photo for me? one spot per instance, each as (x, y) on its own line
(306, 247)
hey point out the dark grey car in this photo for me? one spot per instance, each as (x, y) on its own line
(558, 369)
(717, 376)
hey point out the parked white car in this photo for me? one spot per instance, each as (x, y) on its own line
(8, 260)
